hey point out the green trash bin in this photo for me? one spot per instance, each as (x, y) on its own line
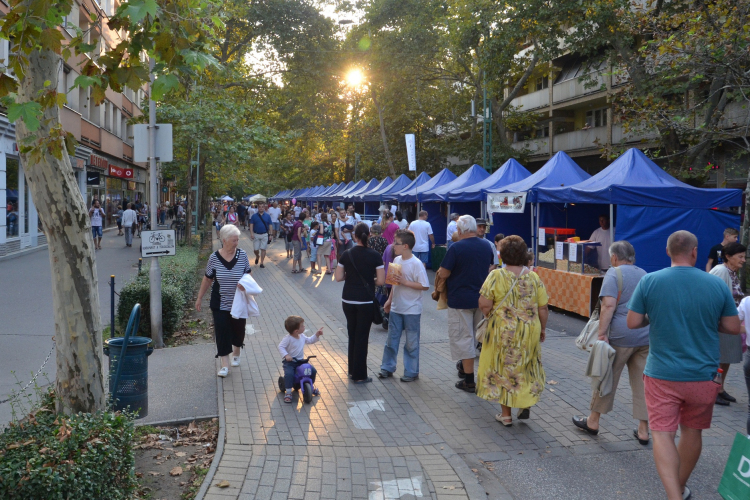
(132, 390)
(438, 254)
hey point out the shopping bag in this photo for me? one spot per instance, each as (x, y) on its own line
(735, 483)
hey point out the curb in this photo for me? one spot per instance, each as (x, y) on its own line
(181, 421)
(219, 442)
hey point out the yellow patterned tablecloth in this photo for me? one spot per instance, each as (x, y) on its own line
(577, 293)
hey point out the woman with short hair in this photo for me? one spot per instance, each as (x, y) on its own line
(510, 365)
(224, 270)
(389, 227)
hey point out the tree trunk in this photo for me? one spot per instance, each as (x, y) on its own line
(75, 296)
(382, 133)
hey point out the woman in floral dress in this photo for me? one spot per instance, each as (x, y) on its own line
(510, 366)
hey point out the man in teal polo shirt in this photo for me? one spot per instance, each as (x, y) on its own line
(686, 308)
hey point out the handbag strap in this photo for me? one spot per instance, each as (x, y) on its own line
(364, 282)
(494, 309)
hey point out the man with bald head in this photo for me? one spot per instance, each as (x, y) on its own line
(686, 308)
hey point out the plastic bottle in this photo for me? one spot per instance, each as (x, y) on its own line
(719, 376)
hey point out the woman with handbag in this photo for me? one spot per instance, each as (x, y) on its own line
(361, 269)
(514, 300)
(631, 346)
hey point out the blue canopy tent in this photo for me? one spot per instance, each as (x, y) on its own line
(330, 196)
(371, 206)
(436, 216)
(651, 204)
(473, 175)
(342, 195)
(330, 189)
(560, 170)
(387, 187)
(417, 188)
(352, 197)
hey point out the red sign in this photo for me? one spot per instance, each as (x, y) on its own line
(98, 161)
(122, 173)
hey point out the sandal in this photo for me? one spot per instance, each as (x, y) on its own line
(461, 384)
(506, 421)
(294, 271)
(287, 398)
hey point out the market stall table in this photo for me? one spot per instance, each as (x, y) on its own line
(573, 292)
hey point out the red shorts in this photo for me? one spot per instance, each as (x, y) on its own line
(671, 404)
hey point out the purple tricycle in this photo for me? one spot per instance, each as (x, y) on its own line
(303, 378)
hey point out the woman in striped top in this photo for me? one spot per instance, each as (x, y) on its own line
(224, 270)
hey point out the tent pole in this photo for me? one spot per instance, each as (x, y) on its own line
(611, 225)
(533, 239)
(537, 232)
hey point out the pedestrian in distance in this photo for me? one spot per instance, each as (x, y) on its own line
(298, 233)
(389, 227)
(404, 309)
(376, 241)
(730, 346)
(232, 217)
(464, 269)
(343, 232)
(287, 231)
(118, 218)
(275, 212)
(451, 229)
(402, 223)
(424, 238)
(129, 219)
(498, 238)
(314, 246)
(260, 227)
(361, 269)
(680, 379)
(631, 346)
(224, 270)
(96, 213)
(292, 349)
(715, 255)
(514, 300)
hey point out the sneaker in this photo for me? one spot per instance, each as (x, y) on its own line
(722, 394)
(409, 379)
(686, 493)
(235, 361)
(384, 374)
(256, 260)
(721, 401)
(223, 372)
(262, 266)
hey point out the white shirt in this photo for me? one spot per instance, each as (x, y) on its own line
(180, 209)
(296, 347)
(451, 229)
(275, 213)
(602, 236)
(744, 310)
(408, 300)
(422, 231)
(402, 224)
(128, 217)
(96, 217)
(297, 210)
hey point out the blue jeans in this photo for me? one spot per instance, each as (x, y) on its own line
(423, 256)
(398, 323)
(97, 231)
(289, 369)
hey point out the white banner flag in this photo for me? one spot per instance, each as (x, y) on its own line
(411, 152)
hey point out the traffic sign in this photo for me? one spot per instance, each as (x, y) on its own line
(163, 142)
(158, 243)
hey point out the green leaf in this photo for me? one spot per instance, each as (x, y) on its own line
(139, 9)
(84, 81)
(217, 22)
(28, 112)
(162, 85)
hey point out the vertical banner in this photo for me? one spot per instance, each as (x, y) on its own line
(411, 152)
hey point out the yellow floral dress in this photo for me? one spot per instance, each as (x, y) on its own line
(510, 366)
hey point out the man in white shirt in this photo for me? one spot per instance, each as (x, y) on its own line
(424, 238)
(451, 229)
(96, 213)
(297, 211)
(343, 230)
(128, 220)
(275, 213)
(602, 235)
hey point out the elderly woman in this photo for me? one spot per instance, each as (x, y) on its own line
(631, 346)
(224, 270)
(510, 365)
(376, 241)
(730, 346)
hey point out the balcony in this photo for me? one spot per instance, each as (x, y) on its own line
(533, 146)
(575, 87)
(631, 136)
(534, 100)
(580, 139)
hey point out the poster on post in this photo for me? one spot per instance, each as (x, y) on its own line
(411, 152)
(506, 203)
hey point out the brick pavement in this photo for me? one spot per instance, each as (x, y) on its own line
(430, 440)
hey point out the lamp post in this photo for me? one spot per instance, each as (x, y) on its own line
(487, 128)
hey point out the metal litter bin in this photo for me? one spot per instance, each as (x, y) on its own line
(132, 390)
(438, 254)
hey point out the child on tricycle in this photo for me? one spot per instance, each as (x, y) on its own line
(298, 373)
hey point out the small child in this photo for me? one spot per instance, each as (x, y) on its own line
(404, 308)
(498, 238)
(292, 349)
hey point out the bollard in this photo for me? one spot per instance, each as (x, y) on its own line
(112, 305)
(140, 263)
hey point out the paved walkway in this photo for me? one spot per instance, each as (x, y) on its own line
(388, 440)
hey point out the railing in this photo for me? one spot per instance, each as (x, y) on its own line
(533, 146)
(534, 100)
(577, 87)
(580, 139)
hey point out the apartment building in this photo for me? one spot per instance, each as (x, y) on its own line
(571, 100)
(103, 161)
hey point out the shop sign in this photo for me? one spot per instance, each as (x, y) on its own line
(122, 173)
(165, 189)
(506, 203)
(98, 162)
(131, 185)
(93, 178)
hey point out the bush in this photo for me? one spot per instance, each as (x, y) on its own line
(178, 281)
(57, 457)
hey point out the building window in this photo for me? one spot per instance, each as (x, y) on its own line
(596, 118)
(107, 115)
(12, 214)
(541, 132)
(542, 83)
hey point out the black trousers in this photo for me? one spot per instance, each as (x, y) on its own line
(228, 332)
(358, 323)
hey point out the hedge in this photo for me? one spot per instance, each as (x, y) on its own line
(49, 456)
(178, 281)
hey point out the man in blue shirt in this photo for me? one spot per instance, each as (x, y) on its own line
(465, 267)
(686, 309)
(260, 225)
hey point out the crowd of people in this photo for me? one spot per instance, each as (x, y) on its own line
(131, 218)
(678, 346)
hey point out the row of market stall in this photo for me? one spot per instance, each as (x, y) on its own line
(555, 210)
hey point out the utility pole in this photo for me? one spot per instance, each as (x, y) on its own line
(487, 129)
(196, 197)
(155, 270)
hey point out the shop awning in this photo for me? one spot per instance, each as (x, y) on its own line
(509, 172)
(472, 176)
